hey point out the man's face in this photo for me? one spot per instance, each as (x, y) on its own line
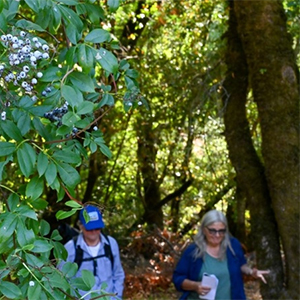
(91, 236)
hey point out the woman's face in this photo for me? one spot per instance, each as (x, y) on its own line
(215, 233)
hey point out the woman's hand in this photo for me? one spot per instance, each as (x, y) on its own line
(202, 290)
(260, 274)
(196, 286)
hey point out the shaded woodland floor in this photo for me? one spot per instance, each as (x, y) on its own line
(149, 261)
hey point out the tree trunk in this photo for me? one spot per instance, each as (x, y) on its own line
(274, 79)
(249, 170)
(146, 154)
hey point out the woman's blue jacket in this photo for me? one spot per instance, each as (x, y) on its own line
(189, 268)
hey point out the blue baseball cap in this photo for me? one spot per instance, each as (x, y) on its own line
(95, 218)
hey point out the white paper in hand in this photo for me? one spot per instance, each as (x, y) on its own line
(212, 281)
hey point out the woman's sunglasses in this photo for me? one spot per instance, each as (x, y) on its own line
(213, 231)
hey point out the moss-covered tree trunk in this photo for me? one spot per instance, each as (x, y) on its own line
(250, 171)
(274, 81)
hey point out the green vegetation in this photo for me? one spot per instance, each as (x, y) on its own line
(157, 111)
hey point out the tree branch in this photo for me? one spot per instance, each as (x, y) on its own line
(175, 194)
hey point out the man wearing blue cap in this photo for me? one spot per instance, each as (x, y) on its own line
(98, 253)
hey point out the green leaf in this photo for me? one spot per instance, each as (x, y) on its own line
(63, 130)
(68, 174)
(93, 147)
(108, 61)
(60, 251)
(6, 148)
(55, 235)
(83, 82)
(73, 34)
(83, 283)
(88, 278)
(42, 163)
(11, 130)
(55, 19)
(85, 57)
(130, 83)
(3, 21)
(103, 148)
(95, 13)
(34, 225)
(113, 5)
(28, 247)
(13, 201)
(33, 289)
(1, 6)
(2, 165)
(10, 290)
(71, 18)
(25, 102)
(24, 236)
(28, 25)
(56, 185)
(43, 18)
(56, 280)
(98, 36)
(40, 128)
(67, 156)
(51, 173)
(107, 99)
(71, 95)
(70, 118)
(73, 204)
(41, 246)
(51, 74)
(65, 214)
(69, 2)
(34, 260)
(84, 123)
(24, 123)
(33, 4)
(35, 188)
(132, 73)
(69, 269)
(70, 56)
(124, 65)
(44, 227)
(13, 7)
(8, 226)
(86, 107)
(26, 211)
(39, 204)
(26, 159)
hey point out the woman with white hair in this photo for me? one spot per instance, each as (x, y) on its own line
(216, 253)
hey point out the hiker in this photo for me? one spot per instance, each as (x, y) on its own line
(96, 252)
(217, 255)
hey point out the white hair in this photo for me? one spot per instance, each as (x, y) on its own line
(209, 218)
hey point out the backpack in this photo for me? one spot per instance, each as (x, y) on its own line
(79, 254)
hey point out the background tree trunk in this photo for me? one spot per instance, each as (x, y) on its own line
(273, 76)
(250, 171)
(146, 154)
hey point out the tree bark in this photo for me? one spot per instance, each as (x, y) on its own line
(274, 80)
(250, 171)
(146, 154)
